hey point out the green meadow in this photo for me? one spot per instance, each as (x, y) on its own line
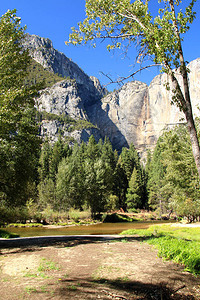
(180, 244)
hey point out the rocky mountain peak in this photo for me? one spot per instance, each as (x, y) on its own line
(43, 52)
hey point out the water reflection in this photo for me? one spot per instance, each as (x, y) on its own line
(103, 228)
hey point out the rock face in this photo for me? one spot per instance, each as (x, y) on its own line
(53, 128)
(62, 98)
(134, 114)
(122, 113)
(163, 114)
(65, 99)
(138, 114)
(41, 50)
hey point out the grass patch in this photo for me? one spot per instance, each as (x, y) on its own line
(186, 233)
(6, 235)
(72, 287)
(180, 244)
(30, 290)
(44, 289)
(36, 275)
(180, 251)
(124, 241)
(139, 232)
(105, 271)
(21, 225)
(31, 275)
(79, 216)
(47, 265)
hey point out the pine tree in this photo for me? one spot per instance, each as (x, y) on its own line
(47, 194)
(70, 181)
(50, 157)
(156, 179)
(133, 196)
(44, 161)
(99, 170)
(59, 151)
(128, 160)
(92, 150)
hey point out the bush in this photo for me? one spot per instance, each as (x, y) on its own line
(112, 203)
(51, 216)
(116, 218)
(33, 211)
(74, 214)
(6, 235)
(13, 214)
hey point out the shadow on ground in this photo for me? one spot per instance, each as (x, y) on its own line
(29, 242)
(117, 289)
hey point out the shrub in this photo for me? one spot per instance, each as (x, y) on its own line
(74, 214)
(33, 210)
(13, 214)
(49, 215)
(112, 203)
(6, 235)
(116, 218)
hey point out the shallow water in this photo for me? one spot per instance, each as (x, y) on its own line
(100, 229)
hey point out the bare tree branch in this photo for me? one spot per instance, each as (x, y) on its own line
(121, 80)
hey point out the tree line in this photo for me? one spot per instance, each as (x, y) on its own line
(93, 175)
(90, 175)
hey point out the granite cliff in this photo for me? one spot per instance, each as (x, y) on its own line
(140, 112)
(79, 106)
(70, 97)
(42, 51)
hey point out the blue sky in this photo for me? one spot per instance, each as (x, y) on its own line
(53, 19)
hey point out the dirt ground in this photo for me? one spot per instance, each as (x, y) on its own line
(126, 269)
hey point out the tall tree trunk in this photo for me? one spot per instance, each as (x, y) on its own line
(193, 136)
(184, 99)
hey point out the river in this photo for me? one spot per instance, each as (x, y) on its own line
(96, 229)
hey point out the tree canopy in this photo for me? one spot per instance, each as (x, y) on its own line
(19, 142)
(130, 22)
(173, 179)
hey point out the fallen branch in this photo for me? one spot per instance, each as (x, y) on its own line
(115, 295)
